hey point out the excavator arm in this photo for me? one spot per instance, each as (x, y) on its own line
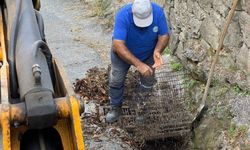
(38, 108)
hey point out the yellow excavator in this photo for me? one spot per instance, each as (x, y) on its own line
(38, 107)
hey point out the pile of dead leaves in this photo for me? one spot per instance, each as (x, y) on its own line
(94, 86)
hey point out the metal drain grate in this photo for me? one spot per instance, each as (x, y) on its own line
(154, 127)
(164, 108)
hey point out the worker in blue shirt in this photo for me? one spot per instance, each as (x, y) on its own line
(140, 35)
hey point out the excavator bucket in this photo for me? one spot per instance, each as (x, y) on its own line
(38, 107)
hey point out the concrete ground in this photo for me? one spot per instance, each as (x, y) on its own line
(75, 39)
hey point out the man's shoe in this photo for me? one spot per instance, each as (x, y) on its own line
(114, 114)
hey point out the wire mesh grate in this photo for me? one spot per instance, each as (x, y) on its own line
(163, 107)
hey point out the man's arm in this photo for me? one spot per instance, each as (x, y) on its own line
(162, 43)
(159, 48)
(163, 38)
(123, 52)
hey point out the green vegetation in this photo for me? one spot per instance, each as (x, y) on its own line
(104, 10)
(219, 88)
(190, 83)
(216, 82)
(175, 66)
(243, 128)
(239, 91)
(192, 86)
(223, 112)
(232, 131)
(101, 7)
(233, 68)
(237, 131)
(167, 51)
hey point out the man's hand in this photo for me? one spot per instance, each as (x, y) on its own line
(145, 70)
(158, 60)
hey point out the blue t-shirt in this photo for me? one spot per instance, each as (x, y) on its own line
(140, 41)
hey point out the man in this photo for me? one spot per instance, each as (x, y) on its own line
(140, 36)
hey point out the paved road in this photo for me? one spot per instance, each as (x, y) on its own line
(75, 39)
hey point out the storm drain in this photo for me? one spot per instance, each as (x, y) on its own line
(163, 108)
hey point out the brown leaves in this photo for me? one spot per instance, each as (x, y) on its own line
(94, 86)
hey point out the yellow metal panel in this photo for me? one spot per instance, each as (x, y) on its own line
(2, 38)
(64, 130)
(5, 125)
(1, 55)
(62, 127)
(76, 123)
(4, 82)
(74, 107)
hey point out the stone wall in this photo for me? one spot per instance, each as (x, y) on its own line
(195, 29)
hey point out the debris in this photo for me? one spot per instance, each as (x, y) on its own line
(93, 89)
(166, 113)
(94, 86)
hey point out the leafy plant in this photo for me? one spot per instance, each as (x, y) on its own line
(235, 132)
(102, 8)
(167, 51)
(190, 83)
(238, 90)
(243, 129)
(232, 131)
(175, 66)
